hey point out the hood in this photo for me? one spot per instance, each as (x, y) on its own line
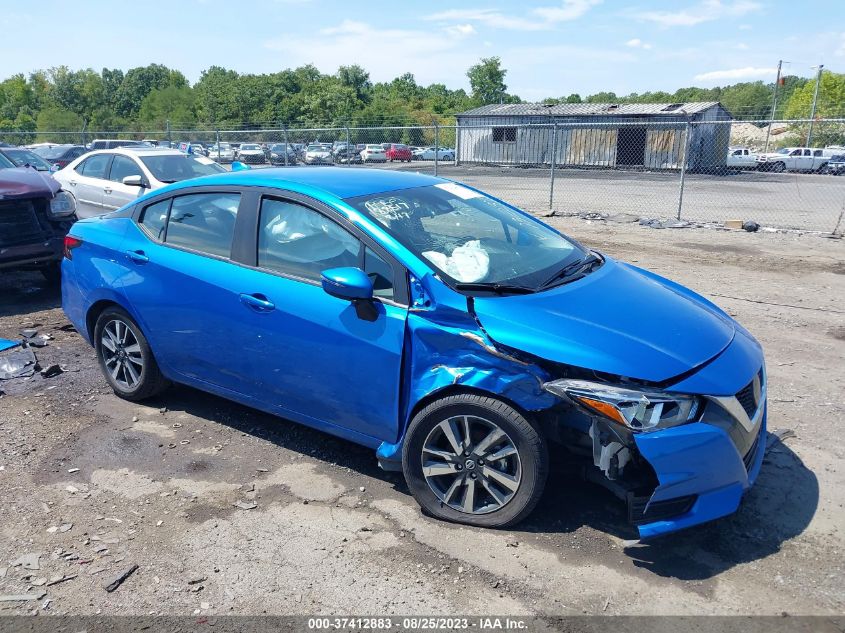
(619, 320)
(24, 182)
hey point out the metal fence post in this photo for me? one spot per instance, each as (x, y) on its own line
(217, 143)
(436, 146)
(684, 159)
(84, 135)
(348, 150)
(457, 143)
(553, 161)
(287, 146)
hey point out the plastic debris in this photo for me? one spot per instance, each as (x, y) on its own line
(118, 580)
(751, 226)
(21, 597)
(7, 344)
(28, 561)
(17, 364)
(778, 435)
(245, 505)
(51, 371)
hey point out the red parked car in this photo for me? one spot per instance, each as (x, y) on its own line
(398, 152)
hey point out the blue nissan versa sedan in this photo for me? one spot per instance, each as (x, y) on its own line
(452, 333)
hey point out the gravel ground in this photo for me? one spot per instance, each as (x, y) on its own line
(93, 485)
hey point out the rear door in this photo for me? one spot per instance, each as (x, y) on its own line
(182, 284)
(115, 193)
(87, 182)
(304, 352)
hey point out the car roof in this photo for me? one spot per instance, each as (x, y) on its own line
(138, 151)
(342, 182)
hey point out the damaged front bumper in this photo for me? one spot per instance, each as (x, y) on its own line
(701, 472)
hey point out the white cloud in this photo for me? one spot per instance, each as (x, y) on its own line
(638, 43)
(705, 11)
(544, 17)
(460, 29)
(749, 72)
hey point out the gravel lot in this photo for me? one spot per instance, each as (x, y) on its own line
(95, 484)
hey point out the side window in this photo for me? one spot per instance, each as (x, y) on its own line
(817, 152)
(807, 152)
(123, 166)
(203, 222)
(298, 241)
(504, 135)
(94, 167)
(381, 274)
(796, 152)
(154, 218)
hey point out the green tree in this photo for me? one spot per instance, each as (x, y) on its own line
(358, 80)
(139, 82)
(830, 104)
(487, 80)
(173, 104)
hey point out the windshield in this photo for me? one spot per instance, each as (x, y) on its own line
(21, 157)
(785, 150)
(316, 148)
(173, 168)
(250, 146)
(468, 236)
(51, 153)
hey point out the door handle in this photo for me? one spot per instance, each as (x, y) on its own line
(139, 257)
(257, 302)
(72, 183)
(106, 190)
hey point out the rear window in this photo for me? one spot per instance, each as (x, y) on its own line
(94, 166)
(203, 222)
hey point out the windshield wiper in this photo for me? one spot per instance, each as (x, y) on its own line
(571, 270)
(494, 287)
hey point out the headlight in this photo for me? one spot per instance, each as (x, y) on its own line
(639, 410)
(62, 205)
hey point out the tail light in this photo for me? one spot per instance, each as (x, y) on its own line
(71, 242)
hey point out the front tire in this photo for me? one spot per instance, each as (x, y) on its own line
(125, 357)
(475, 460)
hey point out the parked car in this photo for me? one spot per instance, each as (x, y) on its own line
(836, 165)
(373, 154)
(281, 153)
(60, 155)
(23, 157)
(105, 180)
(35, 216)
(397, 310)
(250, 153)
(318, 155)
(741, 158)
(222, 152)
(795, 159)
(443, 153)
(111, 143)
(398, 152)
(348, 155)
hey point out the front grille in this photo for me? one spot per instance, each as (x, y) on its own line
(746, 398)
(19, 223)
(638, 514)
(748, 459)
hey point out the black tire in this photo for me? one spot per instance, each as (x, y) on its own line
(150, 379)
(778, 168)
(52, 272)
(524, 435)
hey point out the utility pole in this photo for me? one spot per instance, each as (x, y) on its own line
(815, 100)
(774, 105)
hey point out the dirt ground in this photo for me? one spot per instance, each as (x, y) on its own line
(96, 485)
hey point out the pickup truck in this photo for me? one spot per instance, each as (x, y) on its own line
(794, 159)
(741, 158)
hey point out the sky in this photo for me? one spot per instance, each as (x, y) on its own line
(549, 47)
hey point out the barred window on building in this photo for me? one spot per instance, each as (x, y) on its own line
(504, 135)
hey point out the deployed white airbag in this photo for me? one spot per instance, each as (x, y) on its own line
(467, 263)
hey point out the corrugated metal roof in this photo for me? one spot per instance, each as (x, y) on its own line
(591, 109)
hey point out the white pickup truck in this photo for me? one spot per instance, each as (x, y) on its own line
(795, 159)
(741, 158)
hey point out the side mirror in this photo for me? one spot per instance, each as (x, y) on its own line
(54, 168)
(136, 180)
(239, 166)
(347, 283)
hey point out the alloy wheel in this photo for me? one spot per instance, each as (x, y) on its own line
(121, 354)
(471, 464)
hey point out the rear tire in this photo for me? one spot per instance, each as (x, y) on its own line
(463, 485)
(125, 357)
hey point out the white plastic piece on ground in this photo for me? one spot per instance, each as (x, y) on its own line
(468, 263)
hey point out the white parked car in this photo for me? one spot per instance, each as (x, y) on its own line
(318, 155)
(105, 180)
(795, 159)
(741, 158)
(222, 153)
(427, 153)
(251, 153)
(373, 154)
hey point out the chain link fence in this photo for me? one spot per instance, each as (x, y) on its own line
(782, 174)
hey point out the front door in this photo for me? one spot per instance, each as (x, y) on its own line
(306, 352)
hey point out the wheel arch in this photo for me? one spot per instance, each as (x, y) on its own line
(98, 307)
